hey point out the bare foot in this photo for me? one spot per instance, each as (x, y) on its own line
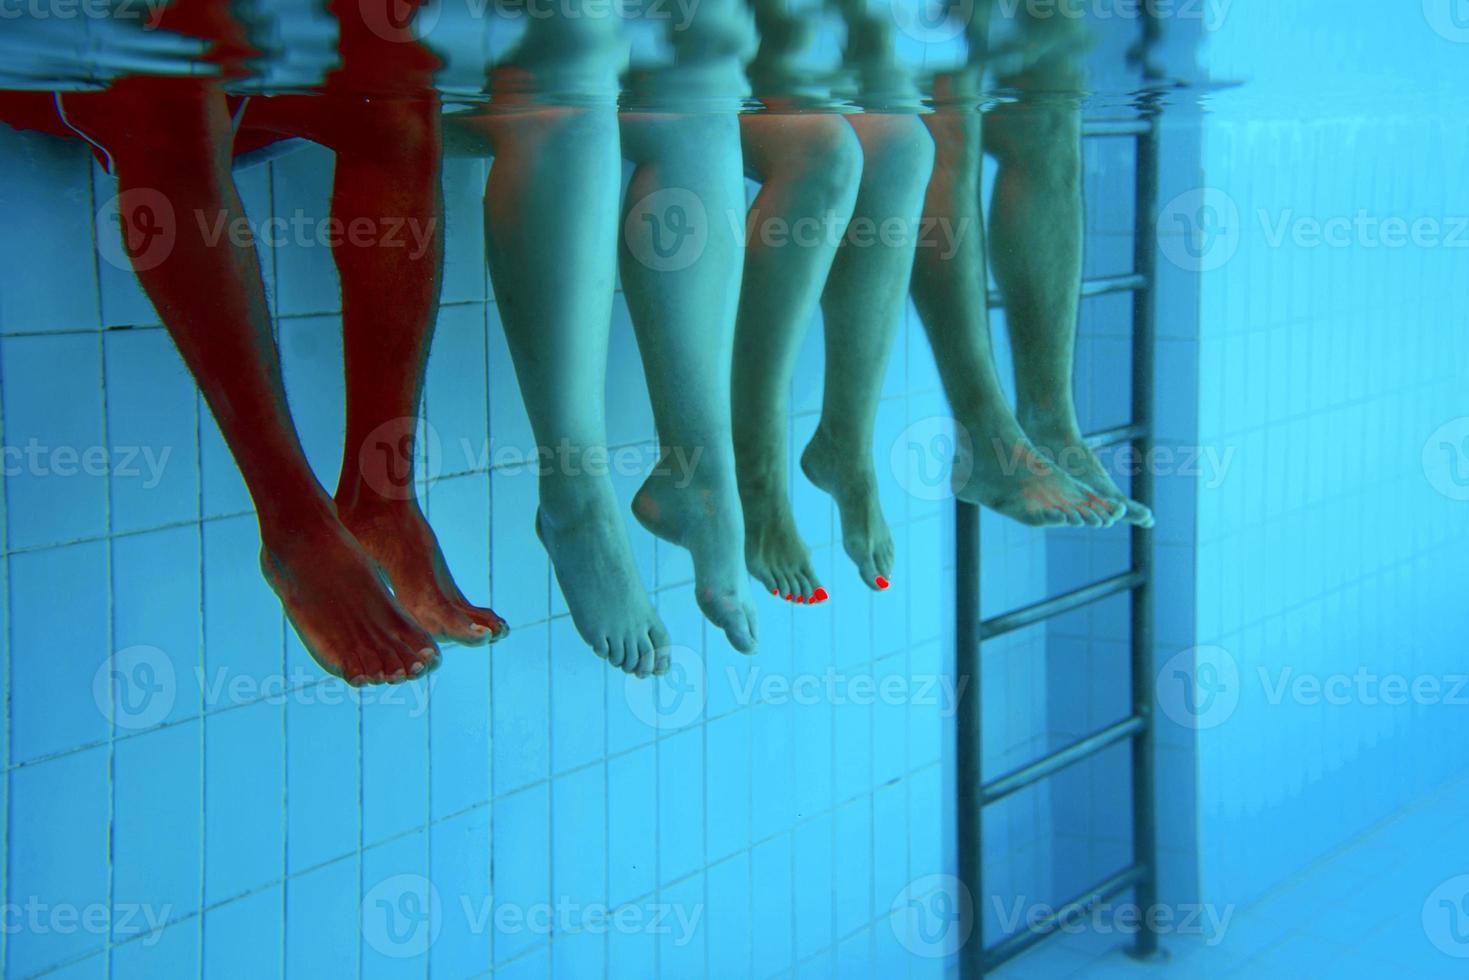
(397, 537)
(588, 545)
(332, 594)
(1003, 471)
(846, 474)
(1061, 442)
(704, 517)
(774, 552)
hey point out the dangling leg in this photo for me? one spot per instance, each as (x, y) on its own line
(551, 222)
(1036, 230)
(863, 305)
(1003, 471)
(387, 179)
(170, 139)
(681, 267)
(809, 165)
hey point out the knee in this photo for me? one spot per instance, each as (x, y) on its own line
(1045, 144)
(404, 130)
(831, 159)
(899, 149)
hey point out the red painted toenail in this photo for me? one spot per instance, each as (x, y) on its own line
(789, 596)
(819, 595)
(882, 583)
(800, 598)
(775, 591)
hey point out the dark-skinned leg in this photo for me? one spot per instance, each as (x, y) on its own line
(387, 179)
(170, 139)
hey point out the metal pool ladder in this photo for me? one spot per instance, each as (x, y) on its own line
(973, 792)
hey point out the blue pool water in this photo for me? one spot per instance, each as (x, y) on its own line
(188, 795)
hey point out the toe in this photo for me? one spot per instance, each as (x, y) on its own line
(884, 558)
(602, 648)
(740, 631)
(424, 662)
(630, 665)
(484, 625)
(631, 650)
(646, 664)
(782, 587)
(400, 665)
(1046, 517)
(809, 584)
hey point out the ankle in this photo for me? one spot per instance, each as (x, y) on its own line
(709, 466)
(567, 499)
(356, 499)
(282, 528)
(1052, 416)
(840, 448)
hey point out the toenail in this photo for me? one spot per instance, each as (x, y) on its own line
(775, 591)
(882, 583)
(819, 595)
(789, 596)
(800, 598)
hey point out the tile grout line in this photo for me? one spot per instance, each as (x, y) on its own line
(200, 660)
(5, 712)
(111, 638)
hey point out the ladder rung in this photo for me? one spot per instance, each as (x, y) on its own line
(1060, 605)
(1007, 785)
(1140, 126)
(1011, 947)
(1117, 436)
(1099, 286)
(1102, 285)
